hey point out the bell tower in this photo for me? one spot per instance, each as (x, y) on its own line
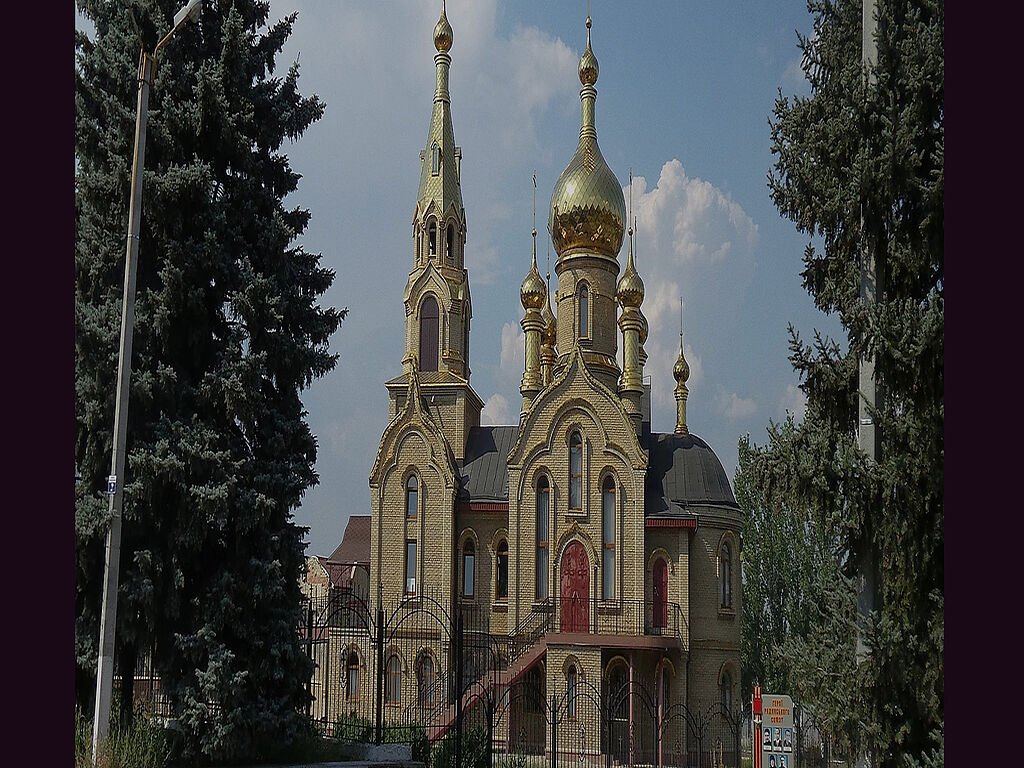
(438, 307)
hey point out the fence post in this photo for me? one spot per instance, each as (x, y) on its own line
(309, 653)
(608, 738)
(459, 650)
(379, 736)
(554, 731)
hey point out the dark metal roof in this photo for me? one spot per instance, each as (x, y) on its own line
(355, 544)
(683, 470)
(485, 468)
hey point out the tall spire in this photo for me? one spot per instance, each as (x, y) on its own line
(681, 372)
(439, 171)
(532, 293)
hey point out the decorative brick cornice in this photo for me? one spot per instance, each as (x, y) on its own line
(671, 522)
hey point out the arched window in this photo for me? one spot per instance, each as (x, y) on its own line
(430, 324)
(584, 312)
(725, 690)
(618, 698)
(468, 568)
(410, 567)
(432, 239)
(665, 698)
(571, 676)
(576, 472)
(425, 681)
(543, 507)
(393, 682)
(412, 488)
(352, 676)
(435, 159)
(725, 576)
(502, 567)
(608, 538)
(449, 252)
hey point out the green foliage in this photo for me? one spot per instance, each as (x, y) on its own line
(413, 735)
(860, 169)
(353, 728)
(228, 332)
(474, 750)
(139, 744)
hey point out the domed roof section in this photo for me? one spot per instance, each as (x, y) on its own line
(443, 34)
(684, 471)
(533, 291)
(630, 290)
(588, 211)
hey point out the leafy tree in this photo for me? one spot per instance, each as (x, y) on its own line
(228, 332)
(859, 168)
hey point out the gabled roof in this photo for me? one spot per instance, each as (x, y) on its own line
(485, 469)
(684, 471)
(355, 544)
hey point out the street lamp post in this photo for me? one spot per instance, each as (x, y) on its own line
(115, 485)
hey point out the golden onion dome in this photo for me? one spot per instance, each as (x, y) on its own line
(681, 370)
(550, 332)
(588, 211)
(533, 292)
(443, 34)
(630, 290)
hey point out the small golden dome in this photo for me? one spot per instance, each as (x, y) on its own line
(533, 291)
(630, 290)
(681, 370)
(588, 62)
(550, 332)
(443, 34)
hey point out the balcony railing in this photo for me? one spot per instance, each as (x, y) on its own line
(620, 617)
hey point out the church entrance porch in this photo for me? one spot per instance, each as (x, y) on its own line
(575, 589)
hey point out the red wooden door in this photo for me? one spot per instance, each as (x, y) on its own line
(660, 586)
(575, 589)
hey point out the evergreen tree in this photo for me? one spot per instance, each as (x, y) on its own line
(228, 332)
(859, 165)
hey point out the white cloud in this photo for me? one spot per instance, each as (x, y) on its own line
(692, 241)
(732, 406)
(513, 349)
(496, 411)
(794, 401)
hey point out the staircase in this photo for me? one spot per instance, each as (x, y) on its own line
(526, 645)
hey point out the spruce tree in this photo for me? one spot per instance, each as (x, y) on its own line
(859, 165)
(228, 333)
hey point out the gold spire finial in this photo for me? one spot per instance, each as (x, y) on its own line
(681, 372)
(533, 290)
(443, 32)
(588, 61)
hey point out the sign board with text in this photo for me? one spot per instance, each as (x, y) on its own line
(774, 737)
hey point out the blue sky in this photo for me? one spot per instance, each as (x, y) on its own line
(684, 95)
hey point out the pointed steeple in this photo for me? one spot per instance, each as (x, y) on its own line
(439, 188)
(681, 372)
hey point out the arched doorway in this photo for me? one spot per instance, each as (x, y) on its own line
(575, 589)
(660, 589)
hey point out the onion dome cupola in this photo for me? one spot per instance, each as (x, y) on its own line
(533, 292)
(681, 372)
(587, 210)
(630, 289)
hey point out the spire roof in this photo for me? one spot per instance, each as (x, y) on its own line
(439, 169)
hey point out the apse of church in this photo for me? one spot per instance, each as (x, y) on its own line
(621, 541)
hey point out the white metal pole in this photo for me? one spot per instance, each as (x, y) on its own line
(115, 483)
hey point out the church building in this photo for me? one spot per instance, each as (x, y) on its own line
(613, 546)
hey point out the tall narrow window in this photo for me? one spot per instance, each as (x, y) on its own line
(393, 687)
(665, 697)
(543, 505)
(410, 567)
(425, 681)
(449, 250)
(576, 472)
(725, 576)
(726, 691)
(608, 537)
(352, 676)
(412, 488)
(502, 581)
(570, 691)
(435, 159)
(584, 312)
(468, 568)
(430, 324)
(432, 239)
